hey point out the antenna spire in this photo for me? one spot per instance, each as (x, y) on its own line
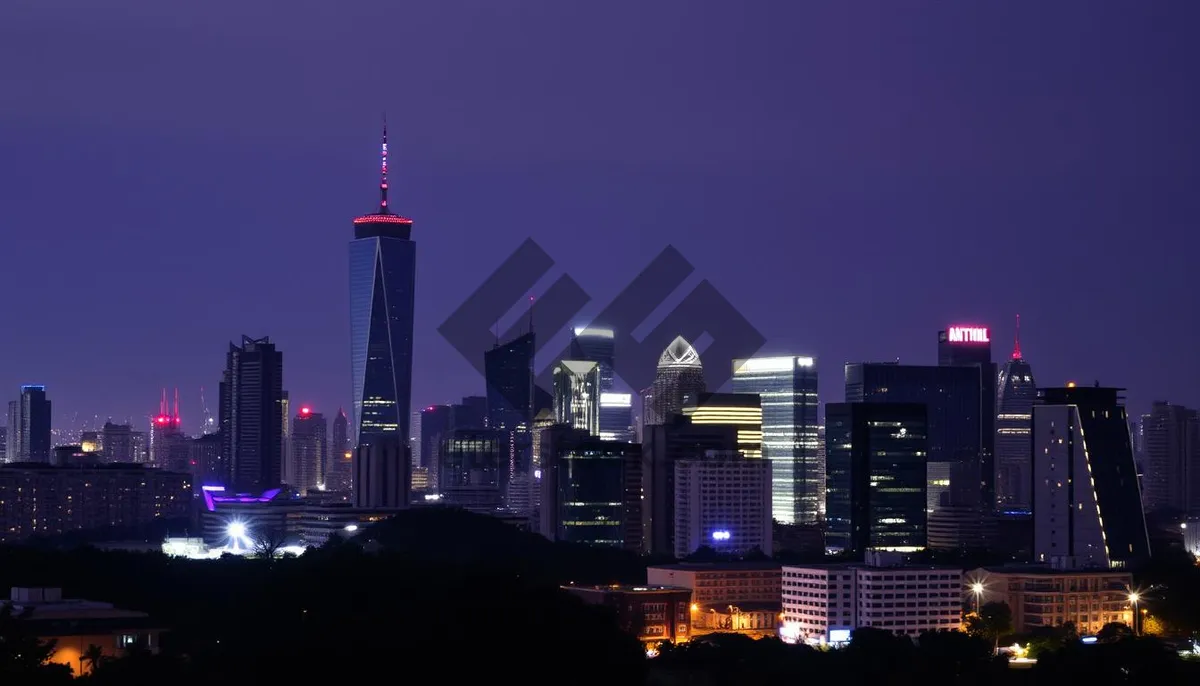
(1017, 341)
(383, 184)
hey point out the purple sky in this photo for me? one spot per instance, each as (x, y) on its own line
(852, 176)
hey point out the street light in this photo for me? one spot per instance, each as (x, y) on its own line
(977, 591)
(1134, 597)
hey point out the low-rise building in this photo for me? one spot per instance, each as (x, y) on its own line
(742, 597)
(1043, 597)
(653, 613)
(823, 604)
(77, 625)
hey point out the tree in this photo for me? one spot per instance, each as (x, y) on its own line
(93, 656)
(993, 621)
(24, 658)
(1114, 631)
(268, 541)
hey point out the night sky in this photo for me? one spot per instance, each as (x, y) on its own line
(852, 176)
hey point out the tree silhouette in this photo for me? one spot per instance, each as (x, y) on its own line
(92, 656)
(993, 621)
(24, 658)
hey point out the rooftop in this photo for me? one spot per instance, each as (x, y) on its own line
(622, 588)
(737, 566)
(1044, 570)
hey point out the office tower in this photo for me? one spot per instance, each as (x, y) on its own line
(577, 395)
(340, 456)
(742, 411)
(951, 397)
(117, 442)
(414, 437)
(971, 346)
(678, 379)
(664, 445)
(1016, 393)
(140, 442)
(1172, 460)
(723, 502)
(788, 389)
(164, 426)
(471, 413)
(382, 287)
(591, 490)
(206, 463)
(541, 422)
(251, 415)
(3, 444)
(595, 344)
(616, 415)
(1087, 507)
(310, 450)
(471, 470)
(382, 472)
(509, 374)
(288, 473)
(875, 489)
(436, 420)
(821, 471)
(29, 426)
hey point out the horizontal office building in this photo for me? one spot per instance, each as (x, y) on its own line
(1041, 597)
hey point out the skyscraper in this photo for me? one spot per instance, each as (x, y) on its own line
(29, 426)
(1087, 506)
(309, 449)
(876, 453)
(616, 416)
(788, 389)
(678, 379)
(508, 369)
(1016, 393)
(971, 346)
(1172, 460)
(164, 426)
(339, 467)
(251, 416)
(382, 288)
(577, 395)
(595, 344)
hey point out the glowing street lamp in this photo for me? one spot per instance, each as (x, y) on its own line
(977, 591)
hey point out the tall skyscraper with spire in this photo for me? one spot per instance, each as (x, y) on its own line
(382, 296)
(1015, 396)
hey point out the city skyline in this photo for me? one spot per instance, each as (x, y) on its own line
(270, 211)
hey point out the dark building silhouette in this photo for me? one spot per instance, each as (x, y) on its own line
(473, 468)
(339, 475)
(382, 296)
(591, 489)
(118, 443)
(971, 346)
(1016, 392)
(382, 473)
(471, 413)
(1171, 434)
(595, 344)
(664, 445)
(251, 415)
(1087, 505)
(40, 499)
(510, 378)
(28, 434)
(310, 449)
(875, 454)
(206, 461)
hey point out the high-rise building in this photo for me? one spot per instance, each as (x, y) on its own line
(251, 415)
(1087, 506)
(742, 411)
(471, 413)
(787, 387)
(577, 395)
(509, 374)
(951, 396)
(29, 426)
(164, 427)
(616, 415)
(875, 498)
(678, 379)
(117, 442)
(971, 346)
(3, 444)
(382, 296)
(1014, 417)
(595, 344)
(471, 470)
(723, 502)
(310, 450)
(1172, 460)
(340, 468)
(663, 446)
(436, 420)
(591, 490)
(382, 472)
(287, 462)
(206, 463)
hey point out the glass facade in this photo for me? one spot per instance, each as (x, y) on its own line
(616, 416)
(577, 395)
(1014, 448)
(593, 482)
(382, 288)
(875, 498)
(472, 471)
(595, 345)
(787, 387)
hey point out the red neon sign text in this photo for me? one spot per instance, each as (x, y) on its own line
(968, 334)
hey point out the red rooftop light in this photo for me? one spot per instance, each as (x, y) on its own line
(306, 410)
(382, 219)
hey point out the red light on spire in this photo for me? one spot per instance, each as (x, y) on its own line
(306, 410)
(162, 420)
(1016, 355)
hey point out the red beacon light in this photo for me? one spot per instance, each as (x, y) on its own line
(306, 410)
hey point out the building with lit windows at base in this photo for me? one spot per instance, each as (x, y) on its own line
(743, 597)
(824, 604)
(787, 387)
(652, 613)
(1040, 597)
(722, 502)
